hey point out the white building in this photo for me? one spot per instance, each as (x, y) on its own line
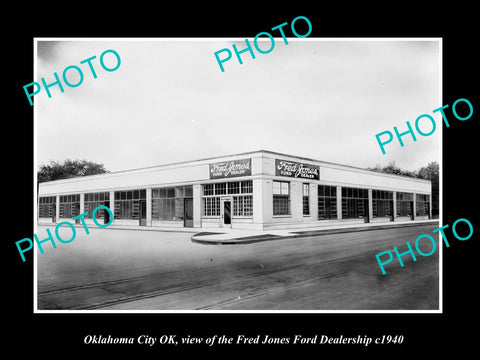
(254, 190)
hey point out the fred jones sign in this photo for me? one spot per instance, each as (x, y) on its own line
(230, 169)
(296, 169)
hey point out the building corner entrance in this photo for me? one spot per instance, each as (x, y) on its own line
(226, 213)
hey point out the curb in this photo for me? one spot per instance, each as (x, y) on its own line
(299, 234)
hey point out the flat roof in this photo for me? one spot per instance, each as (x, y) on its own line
(244, 154)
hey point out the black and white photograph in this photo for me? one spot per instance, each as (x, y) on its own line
(261, 187)
(231, 181)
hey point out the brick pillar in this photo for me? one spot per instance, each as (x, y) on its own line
(57, 208)
(149, 206)
(197, 206)
(394, 212)
(82, 203)
(112, 206)
(339, 202)
(370, 205)
(414, 215)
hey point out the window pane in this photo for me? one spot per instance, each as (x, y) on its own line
(305, 189)
(276, 187)
(188, 191)
(321, 190)
(247, 187)
(179, 192)
(208, 189)
(178, 208)
(220, 189)
(234, 188)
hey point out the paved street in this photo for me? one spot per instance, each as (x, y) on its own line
(113, 269)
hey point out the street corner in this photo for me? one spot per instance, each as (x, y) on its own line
(214, 238)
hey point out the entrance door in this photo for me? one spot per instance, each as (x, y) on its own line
(365, 211)
(106, 214)
(77, 211)
(53, 209)
(143, 213)
(188, 213)
(392, 218)
(328, 208)
(226, 213)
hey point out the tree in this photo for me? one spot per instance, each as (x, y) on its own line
(55, 170)
(392, 168)
(429, 172)
(432, 172)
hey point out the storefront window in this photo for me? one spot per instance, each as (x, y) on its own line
(242, 204)
(46, 206)
(211, 206)
(327, 202)
(422, 205)
(168, 204)
(382, 203)
(92, 201)
(281, 198)
(404, 204)
(354, 203)
(69, 206)
(127, 204)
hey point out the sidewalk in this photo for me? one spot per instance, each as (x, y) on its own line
(238, 236)
(225, 236)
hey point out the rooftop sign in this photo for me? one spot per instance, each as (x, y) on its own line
(296, 169)
(229, 169)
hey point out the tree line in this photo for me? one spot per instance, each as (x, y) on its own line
(430, 172)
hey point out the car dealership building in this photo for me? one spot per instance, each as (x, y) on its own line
(255, 190)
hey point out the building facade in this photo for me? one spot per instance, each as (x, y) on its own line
(255, 190)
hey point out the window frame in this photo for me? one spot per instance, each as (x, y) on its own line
(281, 199)
(327, 194)
(306, 199)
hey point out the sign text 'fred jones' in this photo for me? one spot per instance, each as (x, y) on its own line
(296, 169)
(228, 169)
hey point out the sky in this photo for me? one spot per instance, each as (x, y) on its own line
(169, 101)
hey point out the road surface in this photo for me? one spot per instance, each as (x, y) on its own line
(113, 269)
